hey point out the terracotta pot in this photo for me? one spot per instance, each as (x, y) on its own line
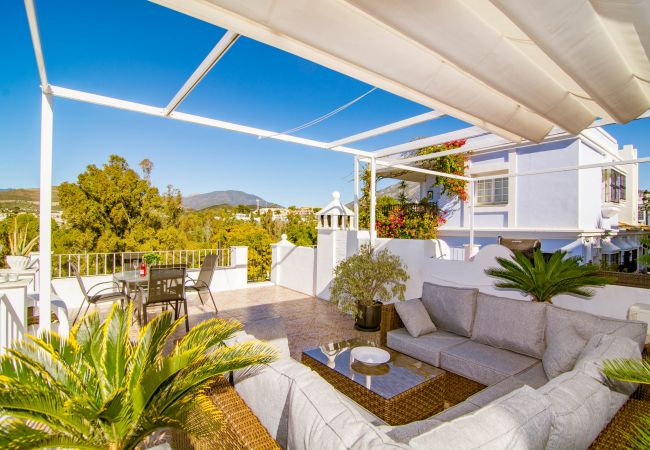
(17, 263)
(370, 318)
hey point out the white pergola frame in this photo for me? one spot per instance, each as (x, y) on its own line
(478, 140)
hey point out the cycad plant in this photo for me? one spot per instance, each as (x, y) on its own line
(634, 371)
(544, 279)
(96, 389)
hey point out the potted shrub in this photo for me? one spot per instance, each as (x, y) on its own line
(19, 247)
(98, 389)
(151, 259)
(543, 280)
(364, 281)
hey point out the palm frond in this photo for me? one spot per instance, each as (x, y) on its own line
(629, 370)
(543, 279)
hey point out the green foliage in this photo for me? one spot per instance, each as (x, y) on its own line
(367, 277)
(98, 389)
(543, 279)
(19, 245)
(114, 209)
(633, 371)
(151, 258)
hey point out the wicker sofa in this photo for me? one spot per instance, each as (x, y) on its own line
(288, 405)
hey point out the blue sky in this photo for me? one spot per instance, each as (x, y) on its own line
(142, 52)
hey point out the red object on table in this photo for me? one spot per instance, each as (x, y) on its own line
(143, 269)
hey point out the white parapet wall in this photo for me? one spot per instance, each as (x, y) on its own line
(301, 268)
(294, 267)
(224, 279)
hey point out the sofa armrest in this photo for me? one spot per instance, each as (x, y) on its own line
(240, 430)
(389, 321)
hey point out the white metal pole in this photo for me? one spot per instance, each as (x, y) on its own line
(356, 193)
(45, 213)
(373, 199)
(471, 219)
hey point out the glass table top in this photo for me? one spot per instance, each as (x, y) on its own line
(398, 375)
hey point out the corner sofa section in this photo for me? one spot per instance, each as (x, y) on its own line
(509, 344)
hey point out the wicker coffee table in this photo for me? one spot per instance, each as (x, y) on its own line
(398, 392)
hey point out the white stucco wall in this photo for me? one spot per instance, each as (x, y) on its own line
(548, 200)
(294, 267)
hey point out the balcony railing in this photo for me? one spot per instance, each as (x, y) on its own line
(109, 263)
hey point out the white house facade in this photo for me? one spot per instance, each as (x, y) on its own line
(591, 213)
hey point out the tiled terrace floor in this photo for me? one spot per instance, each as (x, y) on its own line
(309, 321)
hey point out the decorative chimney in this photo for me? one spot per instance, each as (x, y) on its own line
(335, 216)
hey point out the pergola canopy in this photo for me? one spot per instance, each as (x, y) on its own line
(513, 67)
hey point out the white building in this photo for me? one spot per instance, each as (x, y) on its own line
(592, 213)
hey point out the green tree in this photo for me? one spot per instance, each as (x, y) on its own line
(98, 389)
(113, 209)
(544, 279)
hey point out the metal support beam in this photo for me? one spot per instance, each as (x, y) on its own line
(464, 133)
(45, 213)
(373, 201)
(567, 169)
(388, 128)
(208, 63)
(36, 42)
(472, 192)
(86, 97)
(480, 142)
(356, 193)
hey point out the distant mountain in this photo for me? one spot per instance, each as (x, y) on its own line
(210, 199)
(25, 195)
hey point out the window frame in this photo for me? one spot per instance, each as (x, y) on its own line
(504, 189)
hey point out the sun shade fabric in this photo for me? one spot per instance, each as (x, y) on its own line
(513, 67)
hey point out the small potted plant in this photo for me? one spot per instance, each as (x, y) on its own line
(363, 281)
(151, 259)
(19, 247)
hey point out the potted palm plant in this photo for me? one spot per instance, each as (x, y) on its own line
(19, 247)
(99, 389)
(544, 279)
(365, 280)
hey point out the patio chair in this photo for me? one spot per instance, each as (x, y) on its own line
(111, 293)
(202, 283)
(166, 288)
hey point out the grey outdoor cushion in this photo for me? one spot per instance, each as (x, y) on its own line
(567, 333)
(425, 348)
(451, 308)
(516, 325)
(579, 409)
(534, 376)
(266, 392)
(404, 433)
(603, 347)
(491, 393)
(319, 418)
(415, 317)
(482, 363)
(519, 420)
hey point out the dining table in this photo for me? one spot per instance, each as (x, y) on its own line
(130, 280)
